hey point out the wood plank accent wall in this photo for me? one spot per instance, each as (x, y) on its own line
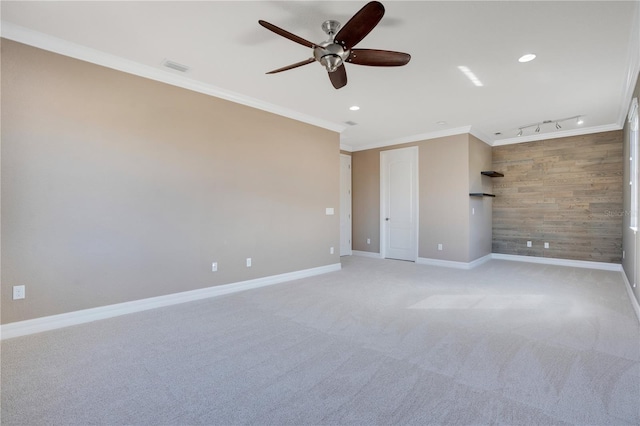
(566, 191)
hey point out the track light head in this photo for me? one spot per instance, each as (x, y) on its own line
(519, 132)
(558, 126)
(579, 120)
(538, 129)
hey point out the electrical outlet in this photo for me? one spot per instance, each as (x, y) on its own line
(214, 267)
(18, 292)
(528, 243)
(623, 254)
(368, 240)
(330, 250)
(248, 262)
(473, 210)
(439, 247)
(546, 245)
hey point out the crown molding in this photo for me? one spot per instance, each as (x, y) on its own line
(345, 147)
(558, 134)
(416, 138)
(56, 45)
(482, 136)
(633, 68)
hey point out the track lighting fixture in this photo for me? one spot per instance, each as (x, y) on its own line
(537, 125)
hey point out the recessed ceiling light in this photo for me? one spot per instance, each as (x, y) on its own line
(441, 123)
(354, 108)
(470, 75)
(527, 58)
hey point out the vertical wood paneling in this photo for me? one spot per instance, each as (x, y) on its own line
(567, 192)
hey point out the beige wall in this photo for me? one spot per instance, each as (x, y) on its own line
(444, 205)
(630, 239)
(444, 198)
(117, 188)
(565, 191)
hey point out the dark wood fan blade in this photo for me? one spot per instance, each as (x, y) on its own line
(378, 58)
(338, 77)
(360, 25)
(286, 34)
(292, 66)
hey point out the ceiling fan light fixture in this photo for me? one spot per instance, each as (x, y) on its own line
(331, 62)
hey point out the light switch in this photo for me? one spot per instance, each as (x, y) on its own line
(329, 211)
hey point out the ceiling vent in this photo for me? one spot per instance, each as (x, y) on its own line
(175, 66)
(350, 123)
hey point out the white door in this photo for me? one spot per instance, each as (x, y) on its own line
(399, 203)
(345, 205)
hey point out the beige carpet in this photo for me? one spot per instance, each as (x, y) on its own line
(380, 342)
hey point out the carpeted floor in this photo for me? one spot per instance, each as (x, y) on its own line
(379, 342)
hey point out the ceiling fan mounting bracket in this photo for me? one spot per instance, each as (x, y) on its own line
(331, 27)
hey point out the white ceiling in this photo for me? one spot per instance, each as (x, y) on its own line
(587, 60)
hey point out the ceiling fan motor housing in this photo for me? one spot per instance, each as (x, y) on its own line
(330, 54)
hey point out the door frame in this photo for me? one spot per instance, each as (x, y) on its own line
(349, 250)
(384, 196)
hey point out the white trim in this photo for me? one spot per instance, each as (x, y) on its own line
(633, 109)
(632, 297)
(37, 325)
(415, 138)
(453, 264)
(34, 38)
(366, 254)
(558, 134)
(345, 147)
(633, 67)
(482, 136)
(350, 206)
(560, 262)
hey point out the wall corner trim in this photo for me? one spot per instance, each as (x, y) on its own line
(38, 325)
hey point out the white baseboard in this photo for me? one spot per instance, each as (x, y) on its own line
(367, 254)
(453, 264)
(560, 262)
(37, 325)
(632, 297)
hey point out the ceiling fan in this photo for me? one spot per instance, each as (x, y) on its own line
(339, 48)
